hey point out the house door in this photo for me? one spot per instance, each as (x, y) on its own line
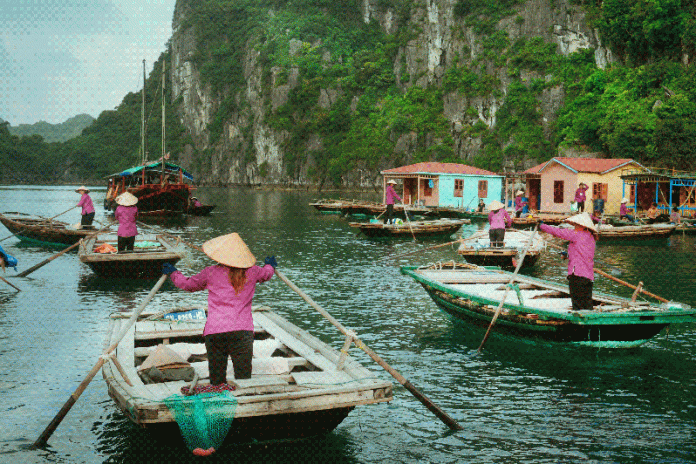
(429, 191)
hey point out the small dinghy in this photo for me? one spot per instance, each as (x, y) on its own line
(44, 231)
(477, 249)
(300, 386)
(541, 310)
(410, 229)
(145, 261)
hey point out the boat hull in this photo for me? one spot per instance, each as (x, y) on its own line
(505, 259)
(30, 230)
(409, 230)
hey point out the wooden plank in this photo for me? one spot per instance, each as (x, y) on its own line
(322, 378)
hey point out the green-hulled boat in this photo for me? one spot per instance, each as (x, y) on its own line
(541, 310)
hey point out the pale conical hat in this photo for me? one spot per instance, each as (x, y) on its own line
(392, 181)
(82, 189)
(582, 219)
(624, 200)
(495, 205)
(126, 199)
(162, 356)
(520, 192)
(229, 250)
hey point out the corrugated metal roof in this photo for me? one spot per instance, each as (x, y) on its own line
(439, 168)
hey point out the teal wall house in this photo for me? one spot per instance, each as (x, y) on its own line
(446, 184)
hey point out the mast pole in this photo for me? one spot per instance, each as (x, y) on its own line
(163, 117)
(142, 121)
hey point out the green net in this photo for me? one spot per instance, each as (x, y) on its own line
(204, 419)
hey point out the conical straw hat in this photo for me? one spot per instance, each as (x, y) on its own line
(391, 182)
(624, 200)
(520, 192)
(82, 189)
(162, 356)
(126, 199)
(582, 219)
(229, 250)
(495, 205)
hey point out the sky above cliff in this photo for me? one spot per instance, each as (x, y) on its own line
(60, 58)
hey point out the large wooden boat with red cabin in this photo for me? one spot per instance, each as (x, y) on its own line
(161, 188)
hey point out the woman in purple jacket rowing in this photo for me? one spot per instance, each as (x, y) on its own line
(581, 251)
(498, 218)
(126, 214)
(229, 329)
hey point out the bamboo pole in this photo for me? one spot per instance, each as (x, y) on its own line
(432, 407)
(507, 288)
(41, 441)
(8, 283)
(460, 240)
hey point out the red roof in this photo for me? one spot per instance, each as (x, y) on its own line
(535, 169)
(439, 168)
(596, 165)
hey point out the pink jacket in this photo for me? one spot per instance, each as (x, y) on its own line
(126, 216)
(519, 204)
(498, 219)
(86, 203)
(581, 249)
(391, 194)
(623, 210)
(580, 194)
(227, 310)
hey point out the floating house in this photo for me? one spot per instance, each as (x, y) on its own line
(666, 187)
(446, 184)
(557, 180)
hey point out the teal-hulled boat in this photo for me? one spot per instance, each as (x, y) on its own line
(540, 309)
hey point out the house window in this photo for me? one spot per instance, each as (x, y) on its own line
(483, 189)
(458, 187)
(632, 194)
(600, 191)
(558, 191)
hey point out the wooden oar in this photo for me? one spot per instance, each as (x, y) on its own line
(8, 283)
(507, 288)
(451, 423)
(60, 253)
(461, 240)
(409, 222)
(41, 441)
(48, 219)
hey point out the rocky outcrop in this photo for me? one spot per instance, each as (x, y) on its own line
(246, 150)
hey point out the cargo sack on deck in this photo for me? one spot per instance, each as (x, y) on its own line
(164, 365)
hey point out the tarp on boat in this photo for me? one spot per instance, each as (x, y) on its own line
(169, 168)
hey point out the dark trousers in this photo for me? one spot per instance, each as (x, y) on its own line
(580, 292)
(388, 215)
(496, 236)
(518, 213)
(126, 243)
(239, 345)
(581, 206)
(87, 219)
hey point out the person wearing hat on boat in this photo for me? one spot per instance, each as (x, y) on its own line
(580, 196)
(390, 194)
(498, 218)
(229, 329)
(126, 214)
(195, 202)
(623, 210)
(519, 203)
(87, 207)
(581, 251)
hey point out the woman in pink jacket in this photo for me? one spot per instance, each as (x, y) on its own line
(229, 329)
(126, 214)
(581, 251)
(498, 218)
(581, 196)
(87, 207)
(390, 194)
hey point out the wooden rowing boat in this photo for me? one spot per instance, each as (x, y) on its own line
(299, 386)
(477, 249)
(203, 210)
(638, 232)
(541, 310)
(40, 230)
(409, 229)
(532, 220)
(149, 253)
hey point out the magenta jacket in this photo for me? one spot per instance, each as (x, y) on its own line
(498, 219)
(86, 203)
(580, 194)
(623, 210)
(519, 204)
(227, 310)
(581, 249)
(391, 194)
(126, 216)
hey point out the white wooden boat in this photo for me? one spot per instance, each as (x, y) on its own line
(149, 253)
(299, 386)
(477, 249)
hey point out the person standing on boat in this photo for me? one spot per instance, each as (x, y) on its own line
(519, 203)
(580, 196)
(390, 194)
(581, 251)
(87, 207)
(126, 214)
(623, 210)
(229, 329)
(498, 218)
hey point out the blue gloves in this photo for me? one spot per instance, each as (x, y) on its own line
(168, 268)
(271, 260)
(564, 254)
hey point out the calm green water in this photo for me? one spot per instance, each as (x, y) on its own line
(518, 402)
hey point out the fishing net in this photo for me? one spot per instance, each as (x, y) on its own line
(204, 419)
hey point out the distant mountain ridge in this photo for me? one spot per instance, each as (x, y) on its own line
(61, 132)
